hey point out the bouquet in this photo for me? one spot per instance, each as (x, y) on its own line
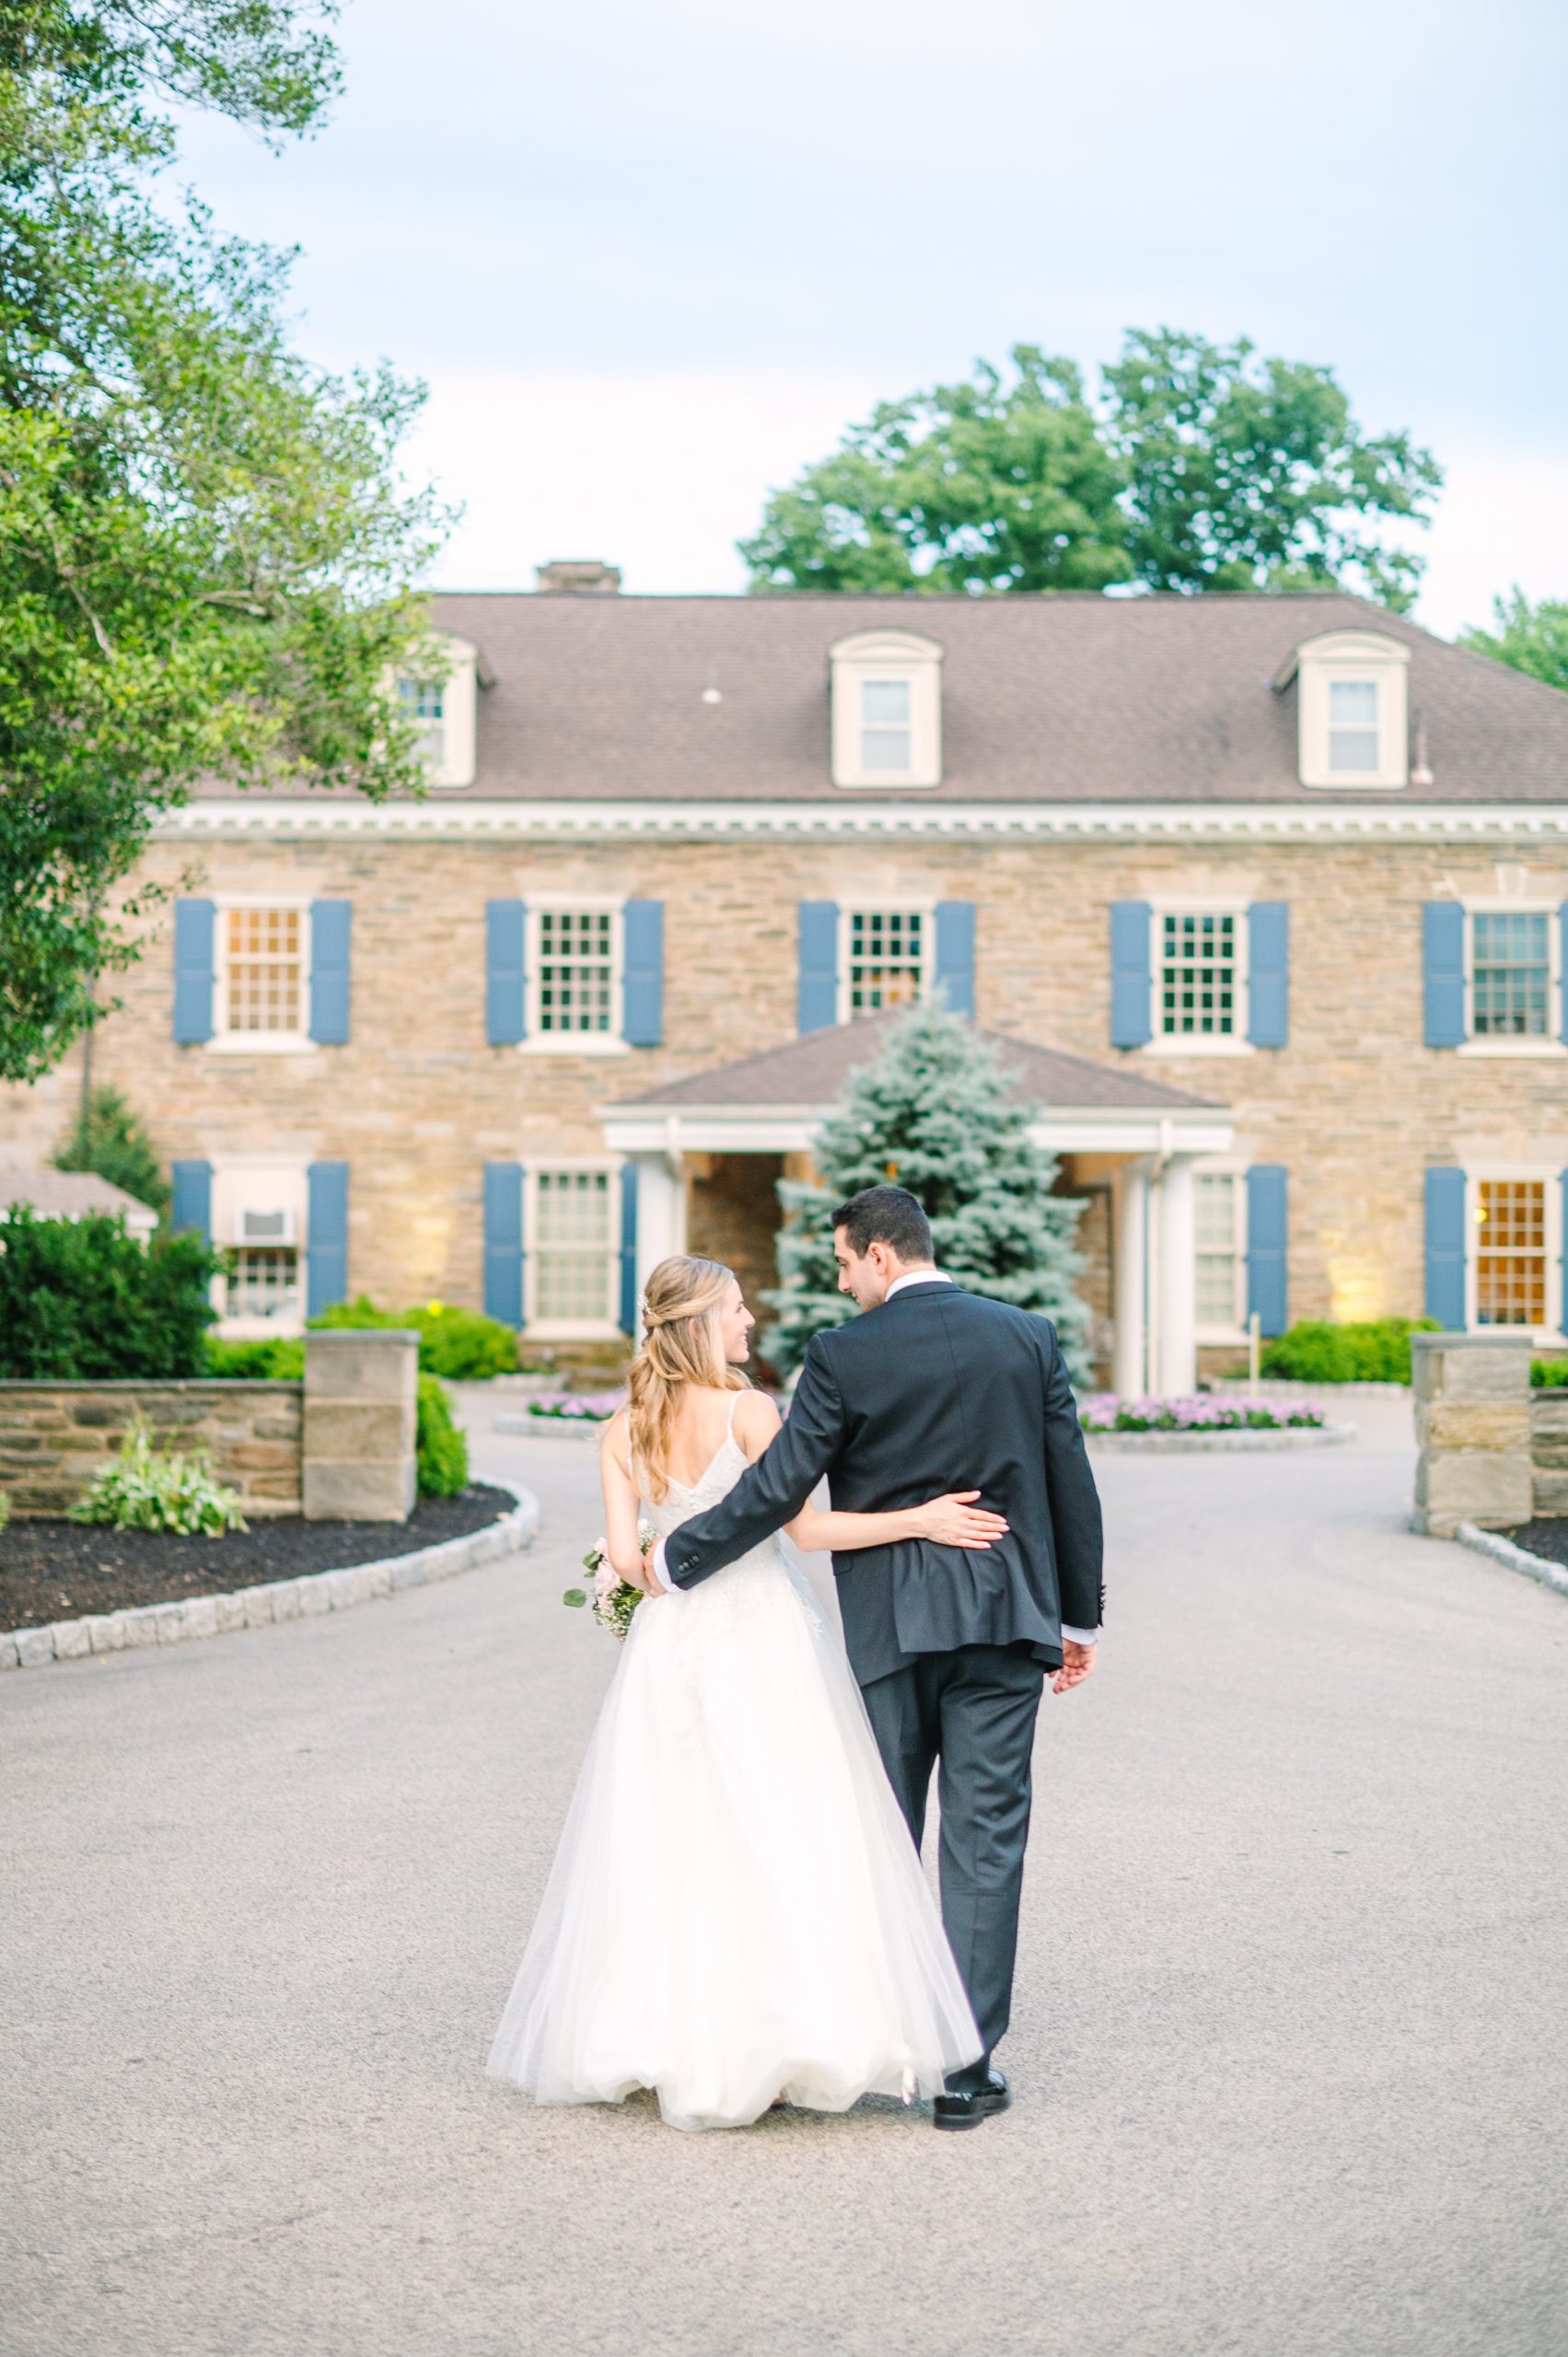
(614, 1600)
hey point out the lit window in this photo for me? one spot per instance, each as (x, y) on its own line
(887, 952)
(1198, 977)
(264, 969)
(573, 1267)
(1353, 727)
(263, 1282)
(577, 969)
(886, 717)
(1510, 1267)
(1511, 968)
(1219, 1272)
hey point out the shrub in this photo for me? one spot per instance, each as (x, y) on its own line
(4, 1509)
(267, 1359)
(1378, 1350)
(457, 1343)
(442, 1449)
(81, 1302)
(112, 1142)
(1550, 1375)
(150, 1489)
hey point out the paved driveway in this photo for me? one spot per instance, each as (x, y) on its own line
(1290, 2043)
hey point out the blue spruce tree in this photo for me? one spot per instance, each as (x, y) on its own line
(935, 1113)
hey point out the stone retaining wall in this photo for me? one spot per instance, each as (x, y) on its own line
(55, 1436)
(1494, 1452)
(1548, 1451)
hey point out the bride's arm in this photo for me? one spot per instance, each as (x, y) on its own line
(619, 1498)
(952, 1521)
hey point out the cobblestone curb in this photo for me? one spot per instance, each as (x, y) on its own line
(295, 1599)
(1225, 1443)
(1518, 1559)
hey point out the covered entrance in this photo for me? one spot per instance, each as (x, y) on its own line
(710, 1150)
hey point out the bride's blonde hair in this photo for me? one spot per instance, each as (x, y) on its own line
(681, 1345)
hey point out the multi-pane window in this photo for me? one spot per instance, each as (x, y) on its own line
(1510, 1262)
(887, 958)
(573, 1263)
(1216, 1213)
(1511, 974)
(264, 969)
(577, 969)
(887, 720)
(264, 1281)
(424, 703)
(1198, 981)
(1353, 727)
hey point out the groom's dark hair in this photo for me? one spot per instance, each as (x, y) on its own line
(888, 1215)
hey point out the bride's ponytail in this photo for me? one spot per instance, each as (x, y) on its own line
(681, 1344)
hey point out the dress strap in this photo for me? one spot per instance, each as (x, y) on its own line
(734, 1403)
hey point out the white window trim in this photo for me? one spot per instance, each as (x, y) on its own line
(1198, 1043)
(887, 654)
(539, 1042)
(569, 1329)
(887, 904)
(293, 1190)
(1351, 655)
(225, 1042)
(457, 765)
(1226, 1166)
(1551, 1044)
(1550, 1179)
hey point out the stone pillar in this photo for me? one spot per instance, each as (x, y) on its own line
(1178, 1279)
(361, 1406)
(661, 1213)
(1472, 1425)
(1130, 1373)
(1549, 1450)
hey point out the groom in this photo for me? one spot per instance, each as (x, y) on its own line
(935, 1390)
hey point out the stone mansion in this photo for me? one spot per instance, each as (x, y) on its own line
(1264, 897)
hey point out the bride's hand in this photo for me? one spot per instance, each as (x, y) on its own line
(956, 1521)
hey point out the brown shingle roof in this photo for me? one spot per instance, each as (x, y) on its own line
(810, 1071)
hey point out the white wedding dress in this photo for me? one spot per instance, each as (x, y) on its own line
(736, 1911)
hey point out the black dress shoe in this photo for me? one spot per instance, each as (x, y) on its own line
(968, 2109)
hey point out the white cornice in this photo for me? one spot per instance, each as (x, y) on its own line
(672, 1131)
(451, 822)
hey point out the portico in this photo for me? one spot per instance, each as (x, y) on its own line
(1114, 1130)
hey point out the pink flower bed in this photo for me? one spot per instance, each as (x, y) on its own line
(1103, 1411)
(577, 1407)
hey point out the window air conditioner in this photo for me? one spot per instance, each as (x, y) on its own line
(267, 1227)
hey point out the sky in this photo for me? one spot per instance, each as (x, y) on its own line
(652, 261)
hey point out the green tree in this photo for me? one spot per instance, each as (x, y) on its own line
(207, 558)
(935, 1112)
(1246, 473)
(987, 484)
(107, 1137)
(1530, 638)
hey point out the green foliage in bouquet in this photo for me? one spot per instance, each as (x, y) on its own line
(441, 1448)
(152, 1488)
(936, 1113)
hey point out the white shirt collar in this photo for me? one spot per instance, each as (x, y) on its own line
(916, 1277)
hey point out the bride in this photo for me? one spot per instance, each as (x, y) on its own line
(736, 1915)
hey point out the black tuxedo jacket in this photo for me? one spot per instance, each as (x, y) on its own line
(937, 1389)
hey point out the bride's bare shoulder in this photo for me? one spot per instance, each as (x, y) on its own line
(756, 1421)
(614, 1441)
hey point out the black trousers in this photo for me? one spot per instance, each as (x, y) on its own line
(972, 1712)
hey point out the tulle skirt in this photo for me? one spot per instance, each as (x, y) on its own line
(736, 1911)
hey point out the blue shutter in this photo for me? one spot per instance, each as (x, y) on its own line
(817, 993)
(193, 1205)
(331, 926)
(1267, 1238)
(1445, 1247)
(1268, 972)
(954, 955)
(325, 1236)
(642, 949)
(1443, 934)
(629, 1247)
(192, 972)
(505, 998)
(1563, 1232)
(1563, 982)
(504, 1242)
(1130, 921)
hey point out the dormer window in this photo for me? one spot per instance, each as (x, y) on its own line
(887, 709)
(444, 712)
(1351, 709)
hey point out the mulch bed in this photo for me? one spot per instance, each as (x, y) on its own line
(54, 1569)
(1549, 1538)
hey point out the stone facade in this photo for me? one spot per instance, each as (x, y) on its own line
(55, 1436)
(1548, 1451)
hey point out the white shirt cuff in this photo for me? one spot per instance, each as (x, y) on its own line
(667, 1585)
(1081, 1636)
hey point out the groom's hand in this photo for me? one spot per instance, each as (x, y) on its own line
(1078, 1663)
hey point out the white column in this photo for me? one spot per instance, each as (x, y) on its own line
(661, 1211)
(1131, 1364)
(1178, 1278)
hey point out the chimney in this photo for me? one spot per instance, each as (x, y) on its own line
(582, 576)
